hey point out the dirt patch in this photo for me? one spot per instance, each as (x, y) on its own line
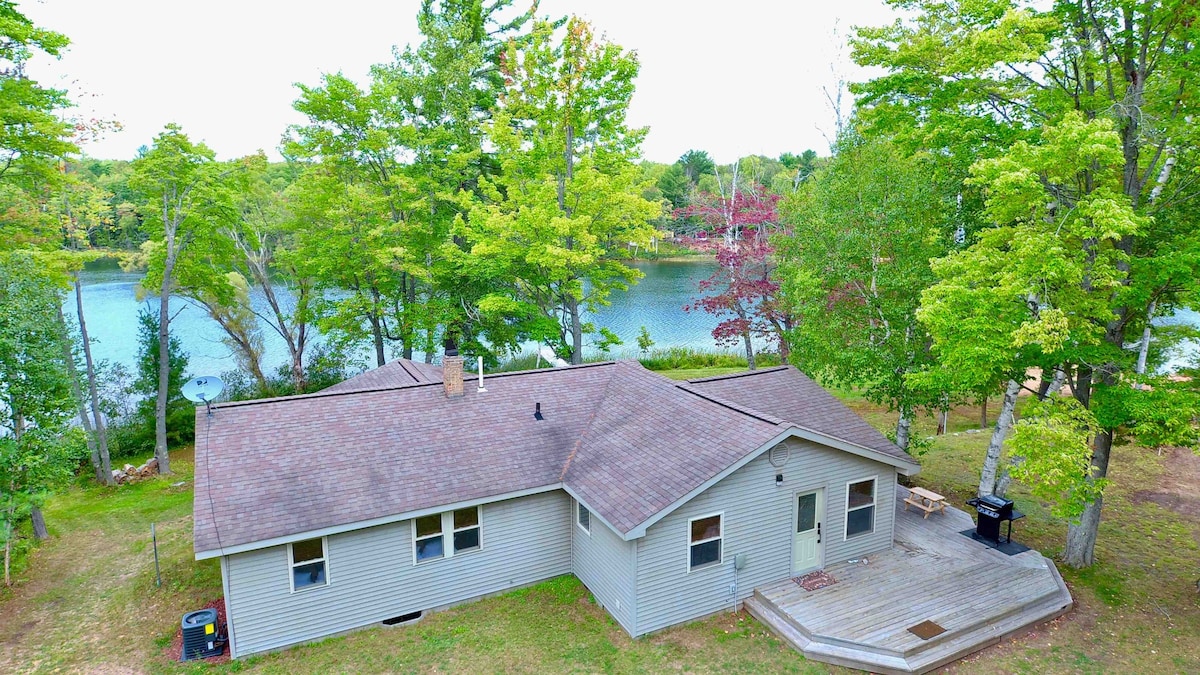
(175, 649)
(1180, 485)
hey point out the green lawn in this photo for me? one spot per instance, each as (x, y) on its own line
(87, 601)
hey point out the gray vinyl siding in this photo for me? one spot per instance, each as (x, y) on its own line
(607, 565)
(372, 576)
(757, 522)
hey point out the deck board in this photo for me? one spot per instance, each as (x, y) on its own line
(931, 573)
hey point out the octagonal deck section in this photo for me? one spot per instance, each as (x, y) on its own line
(932, 573)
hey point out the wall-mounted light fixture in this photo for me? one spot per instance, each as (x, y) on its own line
(779, 480)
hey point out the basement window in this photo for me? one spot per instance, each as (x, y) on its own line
(704, 541)
(307, 559)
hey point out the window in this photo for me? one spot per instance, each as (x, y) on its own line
(429, 537)
(430, 534)
(466, 529)
(704, 541)
(583, 517)
(860, 507)
(308, 563)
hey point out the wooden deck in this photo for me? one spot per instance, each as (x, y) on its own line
(932, 573)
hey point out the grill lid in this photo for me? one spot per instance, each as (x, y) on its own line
(994, 502)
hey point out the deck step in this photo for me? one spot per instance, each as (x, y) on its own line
(979, 595)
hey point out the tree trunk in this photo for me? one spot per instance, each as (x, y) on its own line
(904, 429)
(407, 334)
(983, 404)
(750, 363)
(943, 422)
(98, 423)
(77, 394)
(1081, 539)
(1144, 348)
(991, 461)
(377, 336)
(572, 307)
(7, 546)
(164, 369)
(38, 520)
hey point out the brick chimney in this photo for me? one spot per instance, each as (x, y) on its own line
(452, 371)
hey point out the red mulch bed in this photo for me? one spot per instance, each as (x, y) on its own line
(814, 580)
(175, 649)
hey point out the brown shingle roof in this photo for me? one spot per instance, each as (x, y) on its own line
(398, 373)
(788, 394)
(628, 442)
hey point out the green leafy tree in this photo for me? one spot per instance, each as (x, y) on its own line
(567, 191)
(176, 180)
(180, 411)
(863, 231)
(966, 81)
(33, 136)
(37, 448)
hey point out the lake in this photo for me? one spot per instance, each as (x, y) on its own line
(656, 302)
(111, 305)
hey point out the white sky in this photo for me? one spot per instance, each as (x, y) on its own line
(734, 78)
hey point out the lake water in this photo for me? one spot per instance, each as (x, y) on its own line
(656, 302)
(111, 305)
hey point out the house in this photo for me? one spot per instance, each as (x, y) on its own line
(406, 489)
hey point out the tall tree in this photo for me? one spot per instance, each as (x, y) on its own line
(863, 231)
(32, 136)
(36, 404)
(743, 287)
(968, 80)
(174, 178)
(568, 190)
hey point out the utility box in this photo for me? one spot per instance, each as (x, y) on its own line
(739, 561)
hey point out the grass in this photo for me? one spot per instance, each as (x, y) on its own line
(87, 600)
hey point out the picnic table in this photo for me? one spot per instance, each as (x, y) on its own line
(926, 500)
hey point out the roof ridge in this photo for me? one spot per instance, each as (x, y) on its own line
(587, 427)
(746, 373)
(751, 412)
(417, 375)
(373, 390)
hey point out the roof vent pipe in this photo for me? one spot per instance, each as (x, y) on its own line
(481, 389)
(537, 412)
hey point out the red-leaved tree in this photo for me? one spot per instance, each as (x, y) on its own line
(741, 291)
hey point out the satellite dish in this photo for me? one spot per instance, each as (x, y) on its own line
(204, 389)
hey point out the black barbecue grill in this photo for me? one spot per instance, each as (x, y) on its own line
(992, 511)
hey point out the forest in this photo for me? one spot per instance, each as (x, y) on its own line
(1007, 214)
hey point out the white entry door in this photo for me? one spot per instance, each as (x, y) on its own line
(806, 540)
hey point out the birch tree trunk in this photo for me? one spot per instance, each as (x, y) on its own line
(98, 424)
(164, 361)
(1004, 420)
(1144, 348)
(77, 392)
(904, 429)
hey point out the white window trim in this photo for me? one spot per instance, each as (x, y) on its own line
(688, 538)
(441, 533)
(292, 566)
(578, 506)
(477, 526)
(447, 535)
(874, 502)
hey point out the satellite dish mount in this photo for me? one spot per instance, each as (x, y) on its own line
(203, 389)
